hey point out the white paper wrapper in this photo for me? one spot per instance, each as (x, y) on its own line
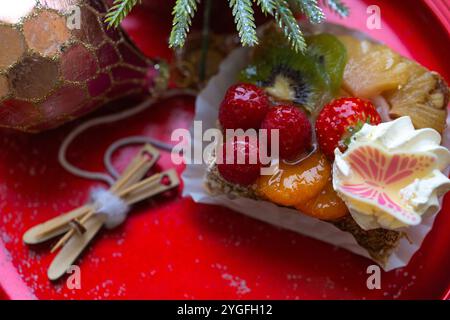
(207, 105)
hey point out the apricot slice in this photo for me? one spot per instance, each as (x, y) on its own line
(327, 205)
(295, 183)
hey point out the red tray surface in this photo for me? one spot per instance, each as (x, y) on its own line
(172, 248)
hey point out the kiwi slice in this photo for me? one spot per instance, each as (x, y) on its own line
(287, 78)
(308, 79)
(330, 55)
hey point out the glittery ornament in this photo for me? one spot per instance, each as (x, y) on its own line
(59, 61)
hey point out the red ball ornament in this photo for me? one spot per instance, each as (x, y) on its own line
(59, 61)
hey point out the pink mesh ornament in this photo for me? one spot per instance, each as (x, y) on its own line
(59, 61)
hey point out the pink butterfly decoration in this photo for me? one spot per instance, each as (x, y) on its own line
(376, 172)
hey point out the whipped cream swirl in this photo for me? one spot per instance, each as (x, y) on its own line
(391, 174)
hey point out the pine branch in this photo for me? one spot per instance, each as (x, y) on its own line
(183, 12)
(311, 9)
(118, 12)
(267, 6)
(245, 21)
(337, 6)
(242, 10)
(287, 22)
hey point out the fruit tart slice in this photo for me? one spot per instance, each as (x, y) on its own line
(357, 131)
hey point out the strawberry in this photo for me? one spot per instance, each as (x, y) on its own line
(241, 164)
(294, 130)
(243, 107)
(340, 119)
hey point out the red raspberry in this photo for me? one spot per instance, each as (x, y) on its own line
(340, 119)
(294, 130)
(243, 151)
(243, 107)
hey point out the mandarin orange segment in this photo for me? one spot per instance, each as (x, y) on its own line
(294, 183)
(327, 205)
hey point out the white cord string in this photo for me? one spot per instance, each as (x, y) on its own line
(126, 142)
(110, 178)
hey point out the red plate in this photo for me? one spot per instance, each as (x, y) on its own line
(172, 248)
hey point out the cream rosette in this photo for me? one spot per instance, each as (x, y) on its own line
(391, 174)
